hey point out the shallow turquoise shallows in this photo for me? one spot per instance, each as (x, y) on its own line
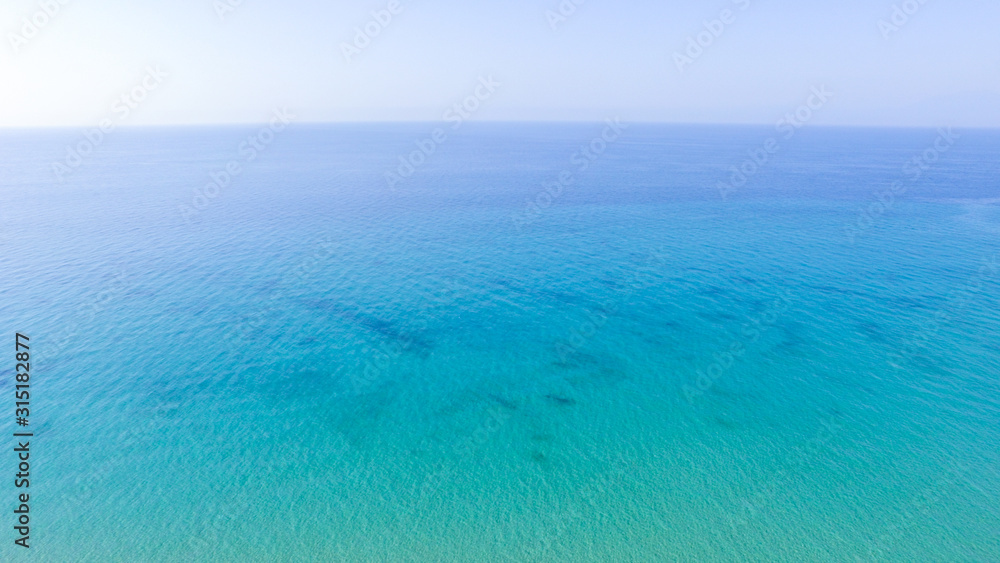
(531, 344)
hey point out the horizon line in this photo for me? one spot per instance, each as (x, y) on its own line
(486, 121)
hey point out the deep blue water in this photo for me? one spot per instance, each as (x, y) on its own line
(313, 366)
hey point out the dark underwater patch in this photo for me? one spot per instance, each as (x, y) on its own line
(386, 329)
(506, 403)
(560, 400)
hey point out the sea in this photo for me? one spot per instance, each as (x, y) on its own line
(480, 341)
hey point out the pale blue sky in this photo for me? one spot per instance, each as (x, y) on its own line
(942, 66)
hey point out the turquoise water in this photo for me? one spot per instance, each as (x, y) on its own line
(314, 366)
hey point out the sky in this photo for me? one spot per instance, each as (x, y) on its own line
(883, 62)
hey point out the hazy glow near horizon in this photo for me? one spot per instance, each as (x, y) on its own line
(886, 62)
